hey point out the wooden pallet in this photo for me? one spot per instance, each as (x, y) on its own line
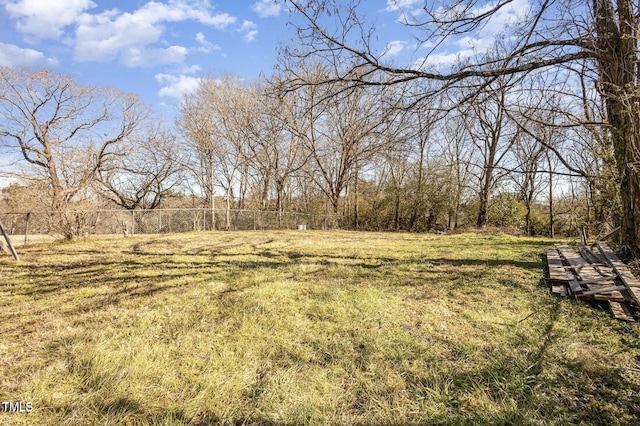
(594, 274)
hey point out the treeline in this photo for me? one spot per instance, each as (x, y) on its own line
(380, 159)
(367, 156)
(534, 80)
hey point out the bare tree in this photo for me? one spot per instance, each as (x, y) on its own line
(66, 133)
(396, 168)
(552, 36)
(148, 166)
(273, 142)
(418, 123)
(303, 114)
(456, 152)
(229, 101)
(528, 155)
(344, 138)
(213, 120)
(493, 135)
(196, 125)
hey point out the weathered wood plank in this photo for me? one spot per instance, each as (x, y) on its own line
(629, 280)
(574, 260)
(606, 270)
(559, 290)
(591, 256)
(609, 234)
(571, 256)
(599, 279)
(602, 290)
(583, 269)
(575, 287)
(556, 268)
(614, 296)
(620, 311)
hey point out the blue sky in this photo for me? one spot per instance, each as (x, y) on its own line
(159, 48)
(156, 49)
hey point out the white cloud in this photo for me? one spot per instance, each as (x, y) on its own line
(220, 21)
(180, 10)
(250, 36)
(250, 30)
(153, 56)
(112, 34)
(14, 56)
(190, 69)
(176, 86)
(476, 42)
(507, 15)
(205, 45)
(394, 48)
(267, 8)
(136, 38)
(46, 18)
(394, 5)
(408, 10)
(441, 59)
(104, 36)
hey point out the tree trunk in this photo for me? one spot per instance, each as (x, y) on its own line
(212, 200)
(228, 209)
(279, 199)
(630, 192)
(487, 181)
(552, 230)
(418, 203)
(265, 191)
(483, 209)
(396, 213)
(356, 219)
(617, 64)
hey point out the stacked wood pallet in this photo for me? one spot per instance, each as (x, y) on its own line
(594, 273)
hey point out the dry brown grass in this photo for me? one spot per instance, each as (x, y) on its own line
(305, 327)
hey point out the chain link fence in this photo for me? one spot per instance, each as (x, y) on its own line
(33, 226)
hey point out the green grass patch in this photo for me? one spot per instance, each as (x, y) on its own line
(306, 328)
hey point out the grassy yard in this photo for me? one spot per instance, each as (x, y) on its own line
(306, 328)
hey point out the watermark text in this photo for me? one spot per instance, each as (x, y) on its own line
(16, 407)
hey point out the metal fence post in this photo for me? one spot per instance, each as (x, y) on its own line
(26, 229)
(8, 240)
